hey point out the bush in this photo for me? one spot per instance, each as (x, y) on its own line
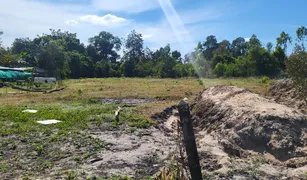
(200, 82)
(220, 69)
(296, 67)
(264, 80)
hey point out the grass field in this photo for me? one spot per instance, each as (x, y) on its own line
(28, 149)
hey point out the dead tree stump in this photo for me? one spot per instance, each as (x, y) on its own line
(189, 140)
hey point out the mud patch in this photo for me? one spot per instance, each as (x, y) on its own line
(131, 101)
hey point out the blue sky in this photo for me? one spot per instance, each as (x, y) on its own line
(182, 23)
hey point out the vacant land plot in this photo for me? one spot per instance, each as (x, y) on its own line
(89, 143)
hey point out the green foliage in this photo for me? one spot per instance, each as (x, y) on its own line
(72, 175)
(297, 69)
(39, 149)
(64, 56)
(253, 43)
(220, 69)
(264, 80)
(200, 82)
(283, 40)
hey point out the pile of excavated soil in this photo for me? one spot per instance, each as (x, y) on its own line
(283, 92)
(243, 134)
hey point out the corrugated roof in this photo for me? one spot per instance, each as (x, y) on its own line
(13, 69)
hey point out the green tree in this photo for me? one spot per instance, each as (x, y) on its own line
(224, 48)
(86, 66)
(245, 67)
(52, 57)
(265, 63)
(26, 49)
(93, 53)
(176, 55)
(209, 46)
(102, 68)
(301, 34)
(238, 47)
(280, 56)
(297, 69)
(269, 47)
(75, 63)
(106, 45)
(133, 53)
(220, 69)
(283, 40)
(217, 59)
(253, 42)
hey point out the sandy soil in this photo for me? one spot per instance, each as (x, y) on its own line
(243, 134)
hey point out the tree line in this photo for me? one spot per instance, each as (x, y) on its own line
(63, 53)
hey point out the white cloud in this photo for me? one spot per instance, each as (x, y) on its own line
(24, 18)
(130, 6)
(147, 36)
(108, 19)
(72, 22)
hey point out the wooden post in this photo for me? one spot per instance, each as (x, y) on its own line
(189, 140)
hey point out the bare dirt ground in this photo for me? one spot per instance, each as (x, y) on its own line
(242, 135)
(283, 92)
(136, 154)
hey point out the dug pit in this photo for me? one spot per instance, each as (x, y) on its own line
(247, 135)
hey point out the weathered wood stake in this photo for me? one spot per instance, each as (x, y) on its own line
(189, 140)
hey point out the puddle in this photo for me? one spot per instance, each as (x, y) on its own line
(127, 101)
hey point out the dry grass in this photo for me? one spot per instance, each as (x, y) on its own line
(166, 92)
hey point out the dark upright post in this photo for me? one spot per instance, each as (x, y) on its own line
(189, 140)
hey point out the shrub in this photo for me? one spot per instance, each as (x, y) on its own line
(264, 80)
(200, 82)
(220, 69)
(297, 69)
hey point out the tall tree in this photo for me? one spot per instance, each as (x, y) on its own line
(224, 48)
(283, 40)
(209, 46)
(253, 42)
(134, 47)
(176, 55)
(280, 56)
(52, 57)
(107, 45)
(269, 47)
(26, 49)
(133, 53)
(238, 47)
(301, 34)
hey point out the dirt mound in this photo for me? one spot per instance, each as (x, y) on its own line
(283, 92)
(244, 123)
